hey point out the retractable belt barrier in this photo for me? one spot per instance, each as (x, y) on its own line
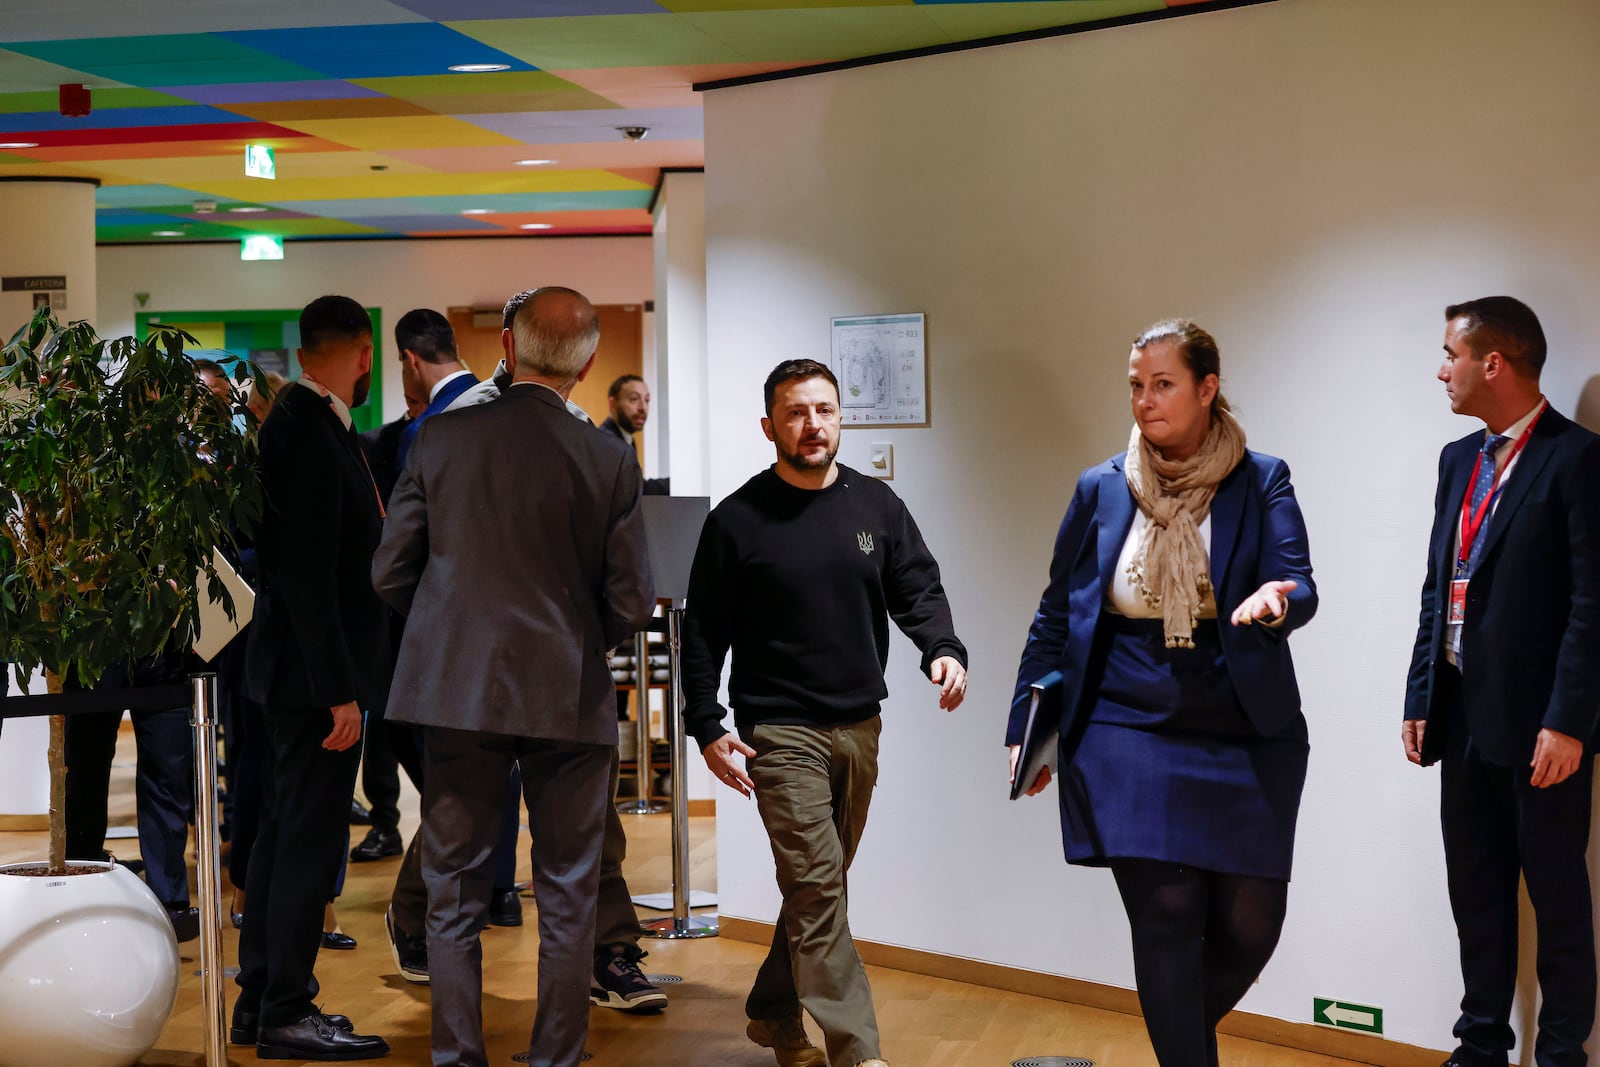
(88, 701)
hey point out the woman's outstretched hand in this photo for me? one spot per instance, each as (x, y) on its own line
(1269, 603)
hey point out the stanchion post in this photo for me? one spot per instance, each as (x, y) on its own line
(208, 866)
(645, 769)
(683, 923)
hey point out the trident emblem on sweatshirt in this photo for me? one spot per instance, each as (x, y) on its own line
(864, 540)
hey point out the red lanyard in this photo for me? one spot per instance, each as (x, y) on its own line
(1472, 522)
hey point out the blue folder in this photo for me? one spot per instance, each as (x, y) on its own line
(1041, 733)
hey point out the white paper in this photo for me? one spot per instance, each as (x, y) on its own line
(215, 629)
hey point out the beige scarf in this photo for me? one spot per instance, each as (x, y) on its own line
(1170, 567)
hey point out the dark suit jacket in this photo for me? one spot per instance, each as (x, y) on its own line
(382, 449)
(452, 389)
(319, 637)
(515, 544)
(1257, 535)
(1531, 640)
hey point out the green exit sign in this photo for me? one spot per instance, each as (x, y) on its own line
(258, 162)
(1346, 1016)
(260, 246)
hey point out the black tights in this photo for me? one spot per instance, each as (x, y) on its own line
(1200, 938)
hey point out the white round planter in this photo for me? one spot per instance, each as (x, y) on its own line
(88, 968)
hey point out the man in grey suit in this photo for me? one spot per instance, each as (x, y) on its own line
(518, 531)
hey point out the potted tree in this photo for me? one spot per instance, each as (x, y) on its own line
(119, 473)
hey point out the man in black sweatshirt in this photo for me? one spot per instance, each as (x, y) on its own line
(799, 572)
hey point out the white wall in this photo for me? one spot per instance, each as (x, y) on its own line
(47, 227)
(25, 756)
(679, 412)
(1312, 180)
(393, 275)
(680, 262)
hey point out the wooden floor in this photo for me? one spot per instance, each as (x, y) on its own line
(925, 1022)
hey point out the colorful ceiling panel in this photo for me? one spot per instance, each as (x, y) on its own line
(421, 117)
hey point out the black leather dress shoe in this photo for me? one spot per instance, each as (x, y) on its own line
(505, 908)
(339, 942)
(242, 1031)
(359, 816)
(316, 1038)
(377, 845)
(185, 923)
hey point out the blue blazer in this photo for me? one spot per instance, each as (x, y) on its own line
(447, 396)
(1257, 535)
(1531, 640)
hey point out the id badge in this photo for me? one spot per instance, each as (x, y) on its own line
(1458, 601)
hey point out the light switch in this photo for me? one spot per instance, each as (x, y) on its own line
(880, 463)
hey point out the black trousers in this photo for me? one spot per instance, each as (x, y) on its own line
(163, 791)
(299, 850)
(247, 738)
(1498, 830)
(386, 748)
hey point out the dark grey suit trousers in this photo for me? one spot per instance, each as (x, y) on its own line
(616, 923)
(564, 784)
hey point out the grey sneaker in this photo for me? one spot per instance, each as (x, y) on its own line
(617, 981)
(788, 1041)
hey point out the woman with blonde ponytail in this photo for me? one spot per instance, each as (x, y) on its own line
(1179, 572)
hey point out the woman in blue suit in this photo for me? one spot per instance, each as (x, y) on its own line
(1179, 573)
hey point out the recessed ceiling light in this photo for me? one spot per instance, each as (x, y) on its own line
(19, 144)
(478, 211)
(166, 233)
(246, 209)
(537, 225)
(534, 162)
(479, 68)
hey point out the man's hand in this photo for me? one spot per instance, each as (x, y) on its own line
(950, 676)
(1411, 731)
(1270, 601)
(719, 757)
(1555, 758)
(1038, 783)
(346, 727)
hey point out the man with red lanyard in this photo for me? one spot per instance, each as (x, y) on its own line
(1504, 688)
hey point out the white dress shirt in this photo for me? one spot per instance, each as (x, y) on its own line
(340, 408)
(433, 394)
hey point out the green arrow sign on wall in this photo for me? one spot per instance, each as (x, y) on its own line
(1346, 1016)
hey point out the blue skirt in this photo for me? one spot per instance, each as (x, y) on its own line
(1168, 766)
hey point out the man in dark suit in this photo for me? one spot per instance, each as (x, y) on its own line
(517, 530)
(629, 401)
(427, 364)
(1504, 687)
(317, 659)
(618, 981)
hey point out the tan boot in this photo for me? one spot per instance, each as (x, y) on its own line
(788, 1041)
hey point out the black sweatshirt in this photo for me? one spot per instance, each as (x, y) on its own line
(801, 584)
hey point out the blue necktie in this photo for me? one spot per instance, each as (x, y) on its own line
(1482, 486)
